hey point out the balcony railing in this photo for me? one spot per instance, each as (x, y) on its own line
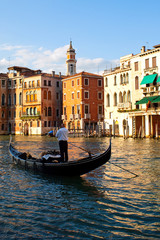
(126, 105)
(78, 116)
(30, 116)
(72, 116)
(87, 116)
(64, 117)
(100, 116)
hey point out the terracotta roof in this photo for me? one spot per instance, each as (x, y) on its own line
(83, 74)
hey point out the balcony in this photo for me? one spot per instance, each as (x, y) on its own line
(87, 116)
(100, 116)
(28, 116)
(64, 117)
(152, 89)
(72, 116)
(126, 105)
(78, 116)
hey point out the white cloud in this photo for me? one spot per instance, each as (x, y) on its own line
(48, 60)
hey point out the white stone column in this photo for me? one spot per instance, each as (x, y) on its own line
(147, 125)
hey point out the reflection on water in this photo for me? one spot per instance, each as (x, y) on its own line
(107, 203)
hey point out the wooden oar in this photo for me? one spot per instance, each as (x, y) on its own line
(124, 169)
(81, 148)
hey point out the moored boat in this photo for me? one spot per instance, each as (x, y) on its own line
(50, 163)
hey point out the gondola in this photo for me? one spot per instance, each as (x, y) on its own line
(50, 163)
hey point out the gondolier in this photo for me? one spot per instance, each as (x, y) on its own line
(62, 135)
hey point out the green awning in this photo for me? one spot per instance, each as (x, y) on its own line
(156, 100)
(148, 79)
(158, 80)
(145, 100)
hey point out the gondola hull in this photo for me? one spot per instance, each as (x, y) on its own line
(70, 168)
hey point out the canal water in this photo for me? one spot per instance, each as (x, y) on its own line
(107, 203)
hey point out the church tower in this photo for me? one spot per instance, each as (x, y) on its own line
(71, 61)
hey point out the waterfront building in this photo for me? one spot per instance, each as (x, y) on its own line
(132, 95)
(83, 101)
(32, 99)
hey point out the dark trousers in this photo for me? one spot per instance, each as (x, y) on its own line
(63, 145)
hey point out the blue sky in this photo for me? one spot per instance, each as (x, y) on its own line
(36, 33)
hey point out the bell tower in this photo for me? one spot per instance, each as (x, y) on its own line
(71, 61)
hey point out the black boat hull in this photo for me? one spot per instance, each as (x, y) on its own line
(71, 168)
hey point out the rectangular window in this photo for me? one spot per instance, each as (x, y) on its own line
(49, 83)
(147, 63)
(86, 82)
(72, 83)
(100, 110)
(57, 84)
(99, 82)
(3, 83)
(86, 94)
(77, 82)
(57, 112)
(72, 109)
(78, 109)
(86, 109)
(45, 82)
(38, 124)
(64, 85)
(45, 123)
(72, 95)
(38, 83)
(30, 84)
(136, 66)
(78, 94)
(64, 111)
(154, 62)
(99, 95)
(57, 95)
(64, 97)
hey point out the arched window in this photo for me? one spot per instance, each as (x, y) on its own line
(128, 96)
(35, 96)
(20, 99)
(115, 80)
(15, 99)
(124, 78)
(45, 94)
(27, 96)
(120, 98)
(3, 99)
(49, 95)
(124, 97)
(45, 111)
(127, 78)
(31, 96)
(9, 100)
(136, 83)
(35, 111)
(31, 111)
(27, 111)
(121, 79)
(49, 111)
(106, 82)
(3, 115)
(115, 99)
(108, 100)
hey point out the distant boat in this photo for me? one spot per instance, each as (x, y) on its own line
(50, 163)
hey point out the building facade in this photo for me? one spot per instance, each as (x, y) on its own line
(127, 92)
(31, 101)
(83, 101)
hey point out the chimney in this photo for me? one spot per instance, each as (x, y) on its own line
(53, 73)
(60, 74)
(143, 49)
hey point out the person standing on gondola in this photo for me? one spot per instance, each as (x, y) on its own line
(62, 135)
